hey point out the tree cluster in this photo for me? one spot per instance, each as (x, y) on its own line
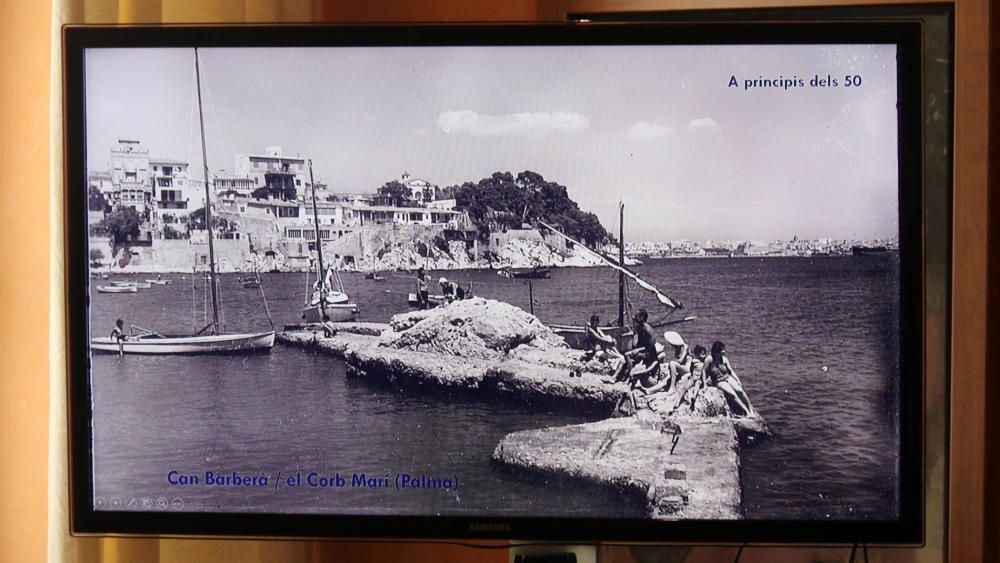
(504, 201)
(196, 221)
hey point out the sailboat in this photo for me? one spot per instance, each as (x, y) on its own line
(210, 339)
(576, 335)
(329, 301)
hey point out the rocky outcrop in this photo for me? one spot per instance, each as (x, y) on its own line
(674, 463)
(481, 378)
(470, 328)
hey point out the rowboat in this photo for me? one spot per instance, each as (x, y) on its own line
(411, 298)
(139, 285)
(576, 335)
(152, 343)
(117, 289)
(159, 282)
(533, 274)
(338, 313)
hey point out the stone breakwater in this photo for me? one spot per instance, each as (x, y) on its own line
(678, 466)
(433, 372)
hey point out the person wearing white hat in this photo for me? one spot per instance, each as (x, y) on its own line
(448, 289)
(678, 362)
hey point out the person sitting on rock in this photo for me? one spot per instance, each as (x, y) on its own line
(678, 363)
(720, 373)
(600, 346)
(694, 380)
(646, 371)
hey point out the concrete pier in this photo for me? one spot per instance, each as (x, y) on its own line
(698, 478)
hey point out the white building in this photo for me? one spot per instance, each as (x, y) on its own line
(285, 177)
(131, 186)
(175, 195)
(421, 190)
(224, 183)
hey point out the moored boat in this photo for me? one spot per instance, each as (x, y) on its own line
(139, 285)
(159, 281)
(117, 289)
(536, 273)
(869, 250)
(211, 339)
(153, 343)
(329, 301)
(576, 335)
(411, 299)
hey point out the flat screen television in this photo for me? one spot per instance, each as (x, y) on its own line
(578, 282)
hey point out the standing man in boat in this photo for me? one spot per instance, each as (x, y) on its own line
(423, 293)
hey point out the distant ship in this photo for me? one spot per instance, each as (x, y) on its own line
(869, 250)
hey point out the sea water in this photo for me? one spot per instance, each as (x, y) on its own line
(813, 339)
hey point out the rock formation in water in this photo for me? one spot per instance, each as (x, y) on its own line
(470, 328)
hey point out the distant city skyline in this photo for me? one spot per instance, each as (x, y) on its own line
(658, 128)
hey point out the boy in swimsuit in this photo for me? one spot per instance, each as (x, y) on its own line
(118, 335)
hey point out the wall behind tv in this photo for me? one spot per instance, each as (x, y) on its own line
(32, 513)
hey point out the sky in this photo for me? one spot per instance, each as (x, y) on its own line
(661, 128)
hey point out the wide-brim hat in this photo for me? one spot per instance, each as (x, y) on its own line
(673, 338)
(443, 280)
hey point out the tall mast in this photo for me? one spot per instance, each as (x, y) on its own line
(621, 260)
(319, 247)
(208, 202)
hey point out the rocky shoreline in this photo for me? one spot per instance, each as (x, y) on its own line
(676, 466)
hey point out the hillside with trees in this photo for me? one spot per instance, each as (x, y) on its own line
(504, 201)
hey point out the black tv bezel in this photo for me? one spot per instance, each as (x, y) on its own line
(908, 530)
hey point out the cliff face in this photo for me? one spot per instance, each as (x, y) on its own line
(371, 248)
(407, 247)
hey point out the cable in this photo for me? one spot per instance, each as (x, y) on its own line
(739, 553)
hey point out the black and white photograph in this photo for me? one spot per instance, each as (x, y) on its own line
(637, 281)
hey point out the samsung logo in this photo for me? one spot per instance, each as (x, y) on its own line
(489, 527)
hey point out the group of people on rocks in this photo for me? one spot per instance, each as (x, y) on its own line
(648, 367)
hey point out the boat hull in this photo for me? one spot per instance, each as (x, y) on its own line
(576, 335)
(117, 289)
(207, 344)
(332, 298)
(340, 312)
(411, 298)
(138, 285)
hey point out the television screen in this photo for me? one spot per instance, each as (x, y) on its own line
(626, 282)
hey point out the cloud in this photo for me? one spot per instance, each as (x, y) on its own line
(647, 130)
(526, 123)
(703, 124)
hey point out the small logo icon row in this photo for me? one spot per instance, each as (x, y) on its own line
(138, 503)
